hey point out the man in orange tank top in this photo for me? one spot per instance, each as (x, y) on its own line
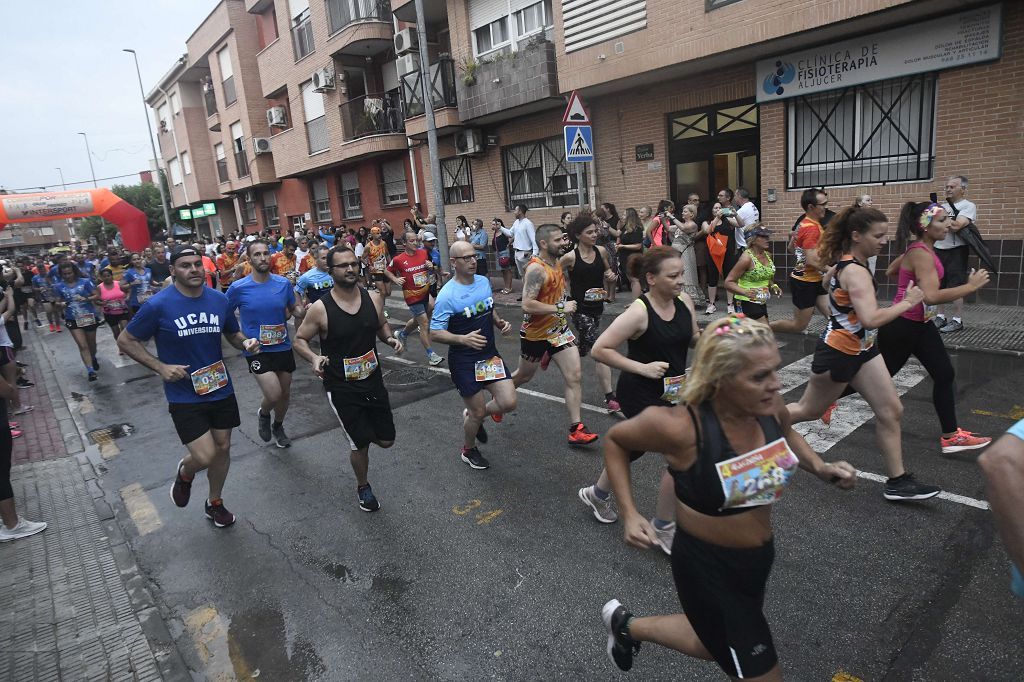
(545, 333)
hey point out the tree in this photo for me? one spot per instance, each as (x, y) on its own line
(94, 228)
(145, 196)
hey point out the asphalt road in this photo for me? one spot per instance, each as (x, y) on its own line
(501, 573)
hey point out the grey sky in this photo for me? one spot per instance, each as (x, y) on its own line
(62, 71)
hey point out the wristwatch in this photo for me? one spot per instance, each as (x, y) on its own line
(560, 306)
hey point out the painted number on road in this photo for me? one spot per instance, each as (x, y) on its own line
(482, 518)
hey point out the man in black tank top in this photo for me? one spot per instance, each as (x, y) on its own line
(348, 321)
(590, 279)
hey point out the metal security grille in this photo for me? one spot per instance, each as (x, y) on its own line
(457, 180)
(875, 133)
(537, 175)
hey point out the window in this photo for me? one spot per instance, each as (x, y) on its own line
(249, 207)
(316, 121)
(877, 132)
(536, 174)
(227, 76)
(270, 217)
(350, 197)
(492, 36)
(186, 163)
(534, 18)
(457, 180)
(164, 121)
(298, 223)
(238, 147)
(341, 13)
(302, 28)
(393, 187)
(175, 170)
(222, 162)
(175, 103)
(321, 202)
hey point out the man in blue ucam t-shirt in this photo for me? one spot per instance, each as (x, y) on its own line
(187, 321)
(464, 318)
(264, 302)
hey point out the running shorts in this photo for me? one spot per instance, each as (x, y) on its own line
(463, 375)
(418, 308)
(841, 366)
(277, 361)
(193, 420)
(377, 277)
(71, 324)
(721, 590)
(805, 294)
(588, 328)
(635, 394)
(533, 351)
(114, 319)
(365, 417)
(954, 265)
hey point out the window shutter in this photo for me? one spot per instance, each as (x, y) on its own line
(588, 22)
(312, 102)
(224, 60)
(483, 12)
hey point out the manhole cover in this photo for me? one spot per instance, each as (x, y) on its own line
(109, 433)
(407, 376)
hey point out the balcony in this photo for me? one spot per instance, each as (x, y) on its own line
(442, 87)
(209, 98)
(242, 163)
(316, 134)
(222, 170)
(374, 114)
(510, 85)
(302, 36)
(341, 13)
(230, 96)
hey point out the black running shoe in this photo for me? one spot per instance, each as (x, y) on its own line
(264, 425)
(95, 363)
(181, 490)
(281, 438)
(219, 514)
(904, 488)
(473, 458)
(24, 383)
(367, 501)
(621, 647)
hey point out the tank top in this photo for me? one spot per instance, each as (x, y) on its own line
(722, 483)
(662, 341)
(113, 300)
(351, 347)
(546, 327)
(843, 331)
(586, 284)
(923, 312)
(758, 279)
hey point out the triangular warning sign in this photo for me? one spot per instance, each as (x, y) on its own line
(575, 113)
(579, 145)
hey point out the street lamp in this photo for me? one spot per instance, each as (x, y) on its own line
(62, 183)
(89, 154)
(152, 145)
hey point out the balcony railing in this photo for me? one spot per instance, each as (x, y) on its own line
(242, 163)
(341, 13)
(442, 88)
(375, 114)
(302, 37)
(230, 96)
(316, 133)
(222, 170)
(211, 102)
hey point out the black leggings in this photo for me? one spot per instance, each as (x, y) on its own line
(902, 338)
(6, 445)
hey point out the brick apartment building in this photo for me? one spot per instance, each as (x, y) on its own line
(881, 97)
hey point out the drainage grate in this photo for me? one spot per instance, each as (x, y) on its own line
(109, 433)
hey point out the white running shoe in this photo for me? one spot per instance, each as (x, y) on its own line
(665, 536)
(22, 529)
(603, 510)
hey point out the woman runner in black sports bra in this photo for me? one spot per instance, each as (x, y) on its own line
(658, 329)
(723, 548)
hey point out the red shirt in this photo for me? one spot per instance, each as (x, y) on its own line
(416, 271)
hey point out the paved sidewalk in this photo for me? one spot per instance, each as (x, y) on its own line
(72, 604)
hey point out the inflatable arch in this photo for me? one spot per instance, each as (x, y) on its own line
(41, 206)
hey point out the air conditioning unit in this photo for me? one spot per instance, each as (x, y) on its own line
(468, 141)
(408, 63)
(277, 116)
(323, 79)
(261, 145)
(406, 40)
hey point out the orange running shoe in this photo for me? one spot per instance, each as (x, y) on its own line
(579, 435)
(826, 418)
(963, 440)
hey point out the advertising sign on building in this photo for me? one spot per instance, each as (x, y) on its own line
(185, 214)
(210, 208)
(943, 43)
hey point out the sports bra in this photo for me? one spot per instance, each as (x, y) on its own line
(722, 483)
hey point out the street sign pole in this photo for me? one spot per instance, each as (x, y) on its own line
(579, 183)
(578, 148)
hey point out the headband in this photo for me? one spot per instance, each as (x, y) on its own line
(732, 325)
(929, 215)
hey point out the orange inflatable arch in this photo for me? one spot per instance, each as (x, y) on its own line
(42, 206)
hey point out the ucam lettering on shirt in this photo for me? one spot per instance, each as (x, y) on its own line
(198, 323)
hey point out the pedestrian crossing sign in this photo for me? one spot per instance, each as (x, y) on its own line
(579, 144)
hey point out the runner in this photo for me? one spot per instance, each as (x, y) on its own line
(317, 281)
(8, 366)
(44, 295)
(805, 280)
(411, 271)
(847, 354)
(724, 547)
(375, 255)
(284, 262)
(187, 320)
(913, 333)
(227, 264)
(76, 295)
(751, 280)
(264, 302)
(113, 302)
(348, 322)
(590, 279)
(138, 281)
(545, 331)
(13, 526)
(658, 328)
(464, 319)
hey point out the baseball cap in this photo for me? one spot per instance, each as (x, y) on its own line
(429, 237)
(760, 231)
(182, 251)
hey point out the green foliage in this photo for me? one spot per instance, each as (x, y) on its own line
(93, 228)
(145, 197)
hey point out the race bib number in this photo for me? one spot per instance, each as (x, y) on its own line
(672, 387)
(114, 307)
(272, 334)
(85, 319)
(210, 378)
(563, 339)
(869, 339)
(144, 296)
(762, 295)
(930, 311)
(490, 370)
(757, 477)
(420, 279)
(594, 295)
(801, 262)
(357, 369)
